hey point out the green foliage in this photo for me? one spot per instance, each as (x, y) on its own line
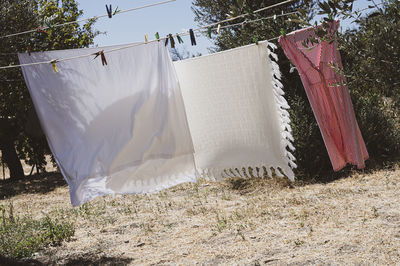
(371, 62)
(372, 52)
(22, 237)
(16, 108)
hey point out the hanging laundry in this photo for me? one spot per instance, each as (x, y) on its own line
(236, 112)
(328, 95)
(119, 129)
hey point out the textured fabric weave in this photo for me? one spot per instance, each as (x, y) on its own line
(329, 97)
(236, 111)
(119, 128)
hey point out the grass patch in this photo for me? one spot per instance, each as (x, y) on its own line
(21, 237)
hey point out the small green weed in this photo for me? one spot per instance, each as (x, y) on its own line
(21, 237)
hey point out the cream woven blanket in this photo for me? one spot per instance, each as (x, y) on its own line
(236, 112)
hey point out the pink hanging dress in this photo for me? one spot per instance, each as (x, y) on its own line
(329, 97)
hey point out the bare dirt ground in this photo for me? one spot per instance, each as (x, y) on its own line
(350, 221)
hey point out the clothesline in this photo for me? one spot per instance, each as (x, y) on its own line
(87, 19)
(142, 7)
(187, 33)
(174, 35)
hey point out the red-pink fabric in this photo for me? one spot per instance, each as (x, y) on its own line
(329, 100)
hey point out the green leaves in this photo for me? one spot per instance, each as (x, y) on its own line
(15, 101)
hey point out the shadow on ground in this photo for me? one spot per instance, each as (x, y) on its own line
(251, 184)
(39, 183)
(87, 259)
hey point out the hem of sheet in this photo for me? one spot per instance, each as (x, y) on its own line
(94, 187)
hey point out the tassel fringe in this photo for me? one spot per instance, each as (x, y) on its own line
(286, 129)
(251, 170)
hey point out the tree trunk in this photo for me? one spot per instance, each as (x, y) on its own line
(8, 152)
(11, 159)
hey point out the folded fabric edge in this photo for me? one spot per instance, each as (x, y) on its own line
(96, 187)
(286, 129)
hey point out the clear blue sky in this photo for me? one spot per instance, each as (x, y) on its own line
(131, 27)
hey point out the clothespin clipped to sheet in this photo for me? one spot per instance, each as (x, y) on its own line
(54, 66)
(41, 30)
(109, 11)
(116, 11)
(244, 24)
(146, 40)
(166, 40)
(28, 49)
(255, 40)
(179, 38)
(157, 36)
(283, 33)
(192, 37)
(171, 39)
(209, 32)
(49, 25)
(219, 29)
(103, 57)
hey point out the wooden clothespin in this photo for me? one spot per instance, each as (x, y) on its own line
(283, 33)
(146, 40)
(109, 11)
(209, 32)
(53, 64)
(166, 40)
(116, 11)
(171, 39)
(103, 57)
(49, 25)
(219, 29)
(192, 37)
(255, 40)
(179, 38)
(41, 30)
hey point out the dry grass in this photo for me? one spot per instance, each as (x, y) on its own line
(355, 220)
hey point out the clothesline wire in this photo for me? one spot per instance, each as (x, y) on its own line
(259, 19)
(136, 44)
(180, 34)
(209, 25)
(245, 14)
(87, 19)
(340, 12)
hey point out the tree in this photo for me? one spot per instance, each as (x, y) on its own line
(17, 140)
(371, 62)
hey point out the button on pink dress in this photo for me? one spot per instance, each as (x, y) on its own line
(329, 97)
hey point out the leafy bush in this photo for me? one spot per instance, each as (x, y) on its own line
(371, 59)
(22, 237)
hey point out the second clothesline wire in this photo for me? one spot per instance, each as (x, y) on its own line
(183, 34)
